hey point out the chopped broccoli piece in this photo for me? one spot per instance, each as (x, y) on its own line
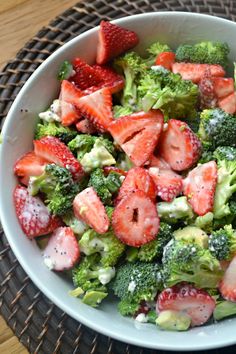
(225, 153)
(218, 128)
(222, 243)
(65, 71)
(65, 134)
(175, 211)
(109, 211)
(127, 308)
(152, 316)
(173, 320)
(207, 154)
(78, 226)
(205, 222)
(93, 298)
(192, 235)
(82, 144)
(58, 186)
(224, 309)
(154, 50)
(123, 162)
(119, 111)
(204, 52)
(107, 245)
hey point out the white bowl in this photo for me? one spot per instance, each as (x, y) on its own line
(169, 27)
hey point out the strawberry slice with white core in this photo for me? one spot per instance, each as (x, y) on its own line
(69, 93)
(228, 103)
(138, 134)
(135, 220)
(227, 286)
(200, 186)
(30, 165)
(97, 107)
(33, 215)
(62, 251)
(196, 303)
(223, 86)
(168, 183)
(89, 208)
(179, 146)
(137, 178)
(69, 114)
(195, 72)
(53, 150)
(113, 40)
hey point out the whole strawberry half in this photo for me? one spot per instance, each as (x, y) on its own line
(113, 40)
(135, 220)
(199, 187)
(179, 146)
(33, 215)
(138, 134)
(62, 251)
(227, 285)
(53, 150)
(196, 303)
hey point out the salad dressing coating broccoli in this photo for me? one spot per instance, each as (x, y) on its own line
(177, 210)
(222, 243)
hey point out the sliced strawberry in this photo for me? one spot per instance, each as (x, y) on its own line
(135, 220)
(208, 98)
(30, 165)
(138, 134)
(53, 150)
(179, 146)
(85, 126)
(137, 178)
(109, 78)
(62, 251)
(113, 40)
(69, 93)
(69, 114)
(165, 59)
(228, 104)
(108, 169)
(168, 183)
(199, 187)
(196, 303)
(227, 285)
(33, 215)
(88, 207)
(157, 161)
(196, 72)
(85, 75)
(97, 107)
(223, 86)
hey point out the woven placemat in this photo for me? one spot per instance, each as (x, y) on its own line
(37, 322)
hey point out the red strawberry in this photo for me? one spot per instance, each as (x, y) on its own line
(228, 103)
(196, 72)
(113, 40)
(196, 303)
(208, 98)
(110, 78)
(85, 126)
(165, 59)
(199, 187)
(135, 220)
(33, 215)
(137, 178)
(89, 208)
(108, 169)
(168, 183)
(30, 165)
(97, 107)
(69, 93)
(62, 251)
(138, 134)
(53, 150)
(179, 146)
(157, 161)
(227, 285)
(69, 114)
(223, 86)
(85, 75)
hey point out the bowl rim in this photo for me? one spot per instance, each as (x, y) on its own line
(7, 227)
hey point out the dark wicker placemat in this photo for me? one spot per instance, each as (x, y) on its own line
(36, 321)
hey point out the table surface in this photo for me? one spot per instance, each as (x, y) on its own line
(20, 20)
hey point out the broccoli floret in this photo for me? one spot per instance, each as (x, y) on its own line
(65, 134)
(205, 222)
(65, 71)
(218, 128)
(137, 281)
(58, 186)
(186, 262)
(82, 144)
(225, 153)
(222, 243)
(109, 211)
(119, 111)
(207, 154)
(78, 226)
(107, 245)
(177, 210)
(105, 186)
(127, 308)
(159, 89)
(204, 52)
(224, 309)
(154, 50)
(123, 162)
(154, 249)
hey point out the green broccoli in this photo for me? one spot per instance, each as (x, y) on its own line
(109, 211)
(107, 245)
(82, 144)
(186, 262)
(123, 162)
(127, 308)
(222, 243)
(218, 128)
(78, 226)
(58, 186)
(207, 154)
(224, 309)
(177, 210)
(225, 153)
(65, 71)
(65, 134)
(205, 222)
(154, 50)
(203, 52)
(119, 111)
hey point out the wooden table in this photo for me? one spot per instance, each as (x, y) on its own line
(19, 21)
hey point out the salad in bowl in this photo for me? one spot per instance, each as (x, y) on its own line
(129, 188)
